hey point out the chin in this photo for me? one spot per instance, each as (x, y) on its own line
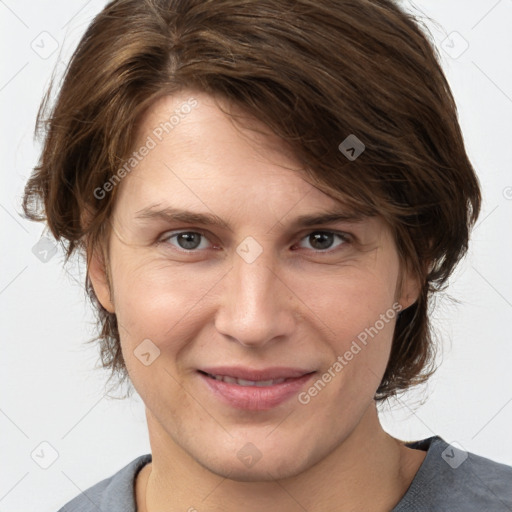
(262, 471)
(248, 464)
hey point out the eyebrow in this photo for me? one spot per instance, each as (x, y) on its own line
(170, 214)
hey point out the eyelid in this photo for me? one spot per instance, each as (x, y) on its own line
(346, 237)
(173, 233)
(310, 231)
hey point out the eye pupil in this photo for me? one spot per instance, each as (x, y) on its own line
(188, 240)
(321, 240)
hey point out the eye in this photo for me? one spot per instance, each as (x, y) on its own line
(320, 241)
(323, 240)
(186, 240)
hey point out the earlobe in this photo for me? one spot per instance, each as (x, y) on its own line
(410, 290)
(409, 287)
(97, 270)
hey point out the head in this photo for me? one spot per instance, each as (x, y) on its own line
(236, 111)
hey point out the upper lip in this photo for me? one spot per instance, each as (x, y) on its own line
(239, 372)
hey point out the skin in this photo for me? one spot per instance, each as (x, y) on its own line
(297, 304)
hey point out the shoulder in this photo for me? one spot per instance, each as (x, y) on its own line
(451, 479)
(113, 494)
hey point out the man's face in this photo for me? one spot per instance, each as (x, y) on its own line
(304, 310)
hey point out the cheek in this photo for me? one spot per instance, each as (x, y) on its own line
(160, 311)
(152, 297)
(157, 309)
(359, 308)
(352, 299)
(365, 312)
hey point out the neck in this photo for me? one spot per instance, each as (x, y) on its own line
(369, 471)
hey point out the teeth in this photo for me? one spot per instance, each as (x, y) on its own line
(243, 382)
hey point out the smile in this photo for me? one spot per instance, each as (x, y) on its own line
(255, 390)
(244, 382)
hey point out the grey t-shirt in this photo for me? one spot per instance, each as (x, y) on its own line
(448, 480)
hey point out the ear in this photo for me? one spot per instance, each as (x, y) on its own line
(97, 269)
(408, 289)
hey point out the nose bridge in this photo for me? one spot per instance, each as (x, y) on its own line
(254, 308)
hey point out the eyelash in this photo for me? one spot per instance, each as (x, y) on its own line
(345, 237)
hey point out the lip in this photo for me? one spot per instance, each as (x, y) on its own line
(240, 372)
(253, 397)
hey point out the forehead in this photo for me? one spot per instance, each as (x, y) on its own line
(197, 150)
(204, 125)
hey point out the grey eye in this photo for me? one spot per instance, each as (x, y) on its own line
(323, 240)
(189, 240)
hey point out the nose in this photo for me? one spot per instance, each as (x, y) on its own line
(256, 307)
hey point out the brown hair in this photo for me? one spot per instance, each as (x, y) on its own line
(313, 71)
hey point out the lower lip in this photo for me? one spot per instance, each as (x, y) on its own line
(253, 397)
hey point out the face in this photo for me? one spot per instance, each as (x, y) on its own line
(255, 332)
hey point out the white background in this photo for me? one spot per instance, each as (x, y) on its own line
(51, 391)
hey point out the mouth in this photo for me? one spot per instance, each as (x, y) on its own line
(249, 389)
(244, 382)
